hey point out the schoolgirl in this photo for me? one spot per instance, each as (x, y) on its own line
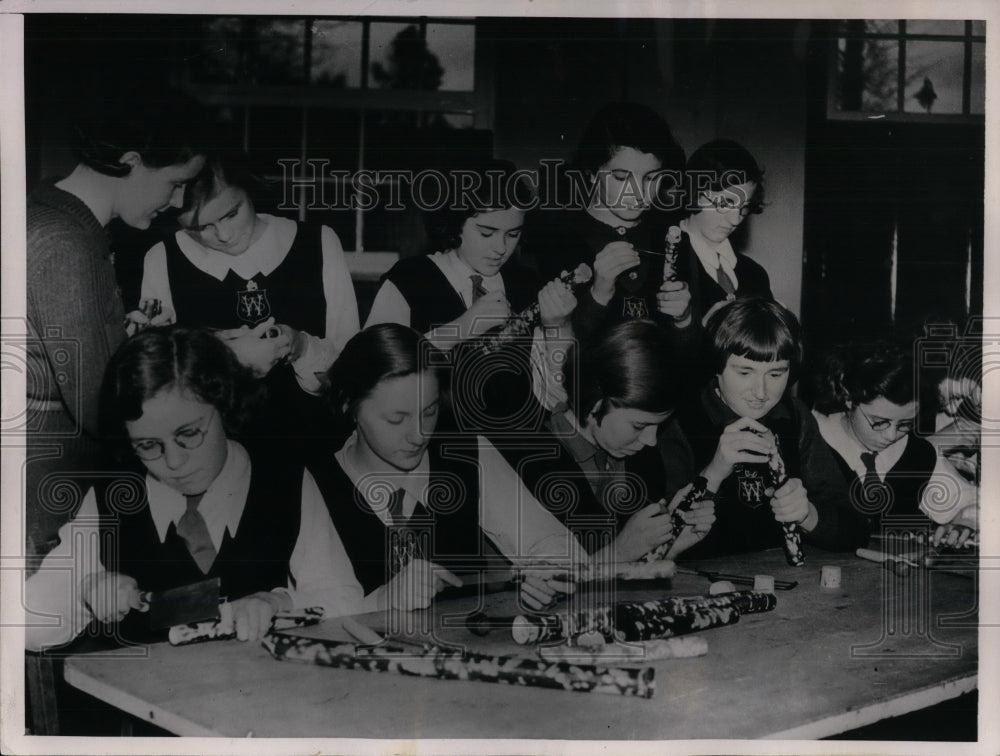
(415, 507)
(189, 502)
(866, 407)
(743, 416)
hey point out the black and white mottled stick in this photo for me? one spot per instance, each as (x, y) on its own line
(791, 532)
(453, 664)
(647, 620)
(698, 490)
(224, 628)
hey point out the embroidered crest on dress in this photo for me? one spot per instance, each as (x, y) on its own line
(750, 485)
(634, 308)
(252, 304)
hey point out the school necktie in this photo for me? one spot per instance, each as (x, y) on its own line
(192, 528)
(477, 288)
(724, 280)
(396, 508)
(871, 482)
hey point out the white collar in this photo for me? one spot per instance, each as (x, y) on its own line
(263, 256)
(831, 427)
(375, 487)
(712, 256)
(459, 275)
(221, 506)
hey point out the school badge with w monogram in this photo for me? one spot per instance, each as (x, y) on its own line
(252, 305)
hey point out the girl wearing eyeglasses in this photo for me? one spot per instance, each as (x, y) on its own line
(724, 185)
(190, 503)
(866, 406)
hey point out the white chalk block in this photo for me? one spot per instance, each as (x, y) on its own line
(721, 586)
(829, 577)
(763, 583)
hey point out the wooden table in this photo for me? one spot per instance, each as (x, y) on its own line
(823, 662)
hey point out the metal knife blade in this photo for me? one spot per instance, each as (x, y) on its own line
(196, 602)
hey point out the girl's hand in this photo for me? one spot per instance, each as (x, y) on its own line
(612, 261)
(644, 531)
(555, 304)
(418, 583)
(738, 444)
(254, 349)
(674, 300)
(297, 341)
(541, 588)
(698, 521)
(252, 614)
(138, 319)
(490, 310)
(790, 502)
(952, 534)
(110, 596)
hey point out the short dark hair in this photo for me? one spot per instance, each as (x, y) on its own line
(158, 359)
(628, 365)
(858, 372)
(165, 127)
(757, 329)
(626, 124)
(493, 185)
(722, 164)
(376, 354)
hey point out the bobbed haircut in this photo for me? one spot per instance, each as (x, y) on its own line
(164, 126)
(224, 167)
(757, 329)
(626, 124)
(719, 165)
(469, 191)
(860, 372)
(628, 366)
(160, 359)
(376, 354)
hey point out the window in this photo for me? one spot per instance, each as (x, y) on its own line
(317, 100)
(908, 69)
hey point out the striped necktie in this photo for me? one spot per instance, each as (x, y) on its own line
(192, 528)
(724, 280)
(477, 288)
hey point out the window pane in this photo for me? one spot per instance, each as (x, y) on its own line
(400, 59)
(278, 54)
(933, 77)
(333, 136)
(866, 75)
(274, 134)
(979, 28)
(977, 93)
(216, 55)
(935, 27)
(336, 53)
(459, 120)
(454, 45)
(879, 26)
(409, 140)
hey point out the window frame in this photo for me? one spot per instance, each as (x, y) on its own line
(305, 96)
(967, 38)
